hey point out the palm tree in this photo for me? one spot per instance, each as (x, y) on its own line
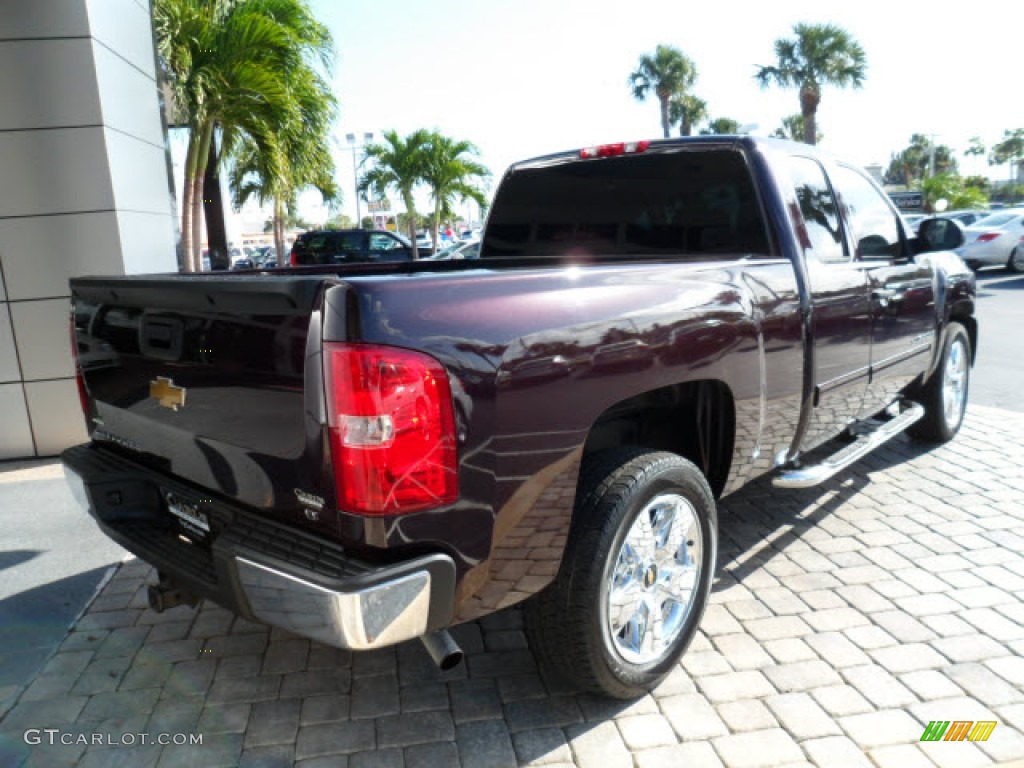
(1009, 150)
(922, 158)
(792, 128)
(976, 147)
(669, 72)
(233, 64)
(903, 169)
(687, 110)
(307, 163)
(721, 126)
(303, 140)
(820, 54)
(399, 164)
(450, 173)
(251, 176)
(951, 188)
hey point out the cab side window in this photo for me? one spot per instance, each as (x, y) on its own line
(819, 210)
(876, 229)
(383, 242)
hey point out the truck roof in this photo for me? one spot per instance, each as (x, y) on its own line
(659, 145)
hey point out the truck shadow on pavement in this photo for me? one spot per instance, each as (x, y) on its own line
(759, 522)
(997, 282)
(33, 624)
(15, 557)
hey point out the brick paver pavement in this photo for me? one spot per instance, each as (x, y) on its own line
(843, 620)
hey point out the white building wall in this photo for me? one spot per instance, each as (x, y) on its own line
(85, 191)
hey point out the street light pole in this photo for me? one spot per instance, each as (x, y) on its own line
(351, 139)
(931, 154)
(367, 139)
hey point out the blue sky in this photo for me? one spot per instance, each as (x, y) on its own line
(530, 77)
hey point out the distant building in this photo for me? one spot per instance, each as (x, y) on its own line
(86, 191)
(876, 172)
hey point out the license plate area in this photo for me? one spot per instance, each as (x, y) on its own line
(192, 522)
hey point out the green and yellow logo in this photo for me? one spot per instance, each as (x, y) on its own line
(958, 730)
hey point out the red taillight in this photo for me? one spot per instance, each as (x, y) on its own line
(294, 258)
(611, 150)
(83, 396)
(988, 236)
(392, 429)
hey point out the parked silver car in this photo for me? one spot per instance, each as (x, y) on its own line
(996, 241)
(466, 250)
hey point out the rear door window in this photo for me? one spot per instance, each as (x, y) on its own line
(348, 246)
(819, 210)
(328, 247)
(678, 202)
(315, 245)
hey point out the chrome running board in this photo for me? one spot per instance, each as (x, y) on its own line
(811, 475)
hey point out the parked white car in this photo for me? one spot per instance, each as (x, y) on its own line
(967, 217)
(996, 241)
(424, 241)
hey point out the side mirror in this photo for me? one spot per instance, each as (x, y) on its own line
(940, 235)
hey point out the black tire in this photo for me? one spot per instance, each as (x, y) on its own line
(938, 426)
(568, 624)
(1016, 262)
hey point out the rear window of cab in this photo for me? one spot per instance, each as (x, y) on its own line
(667, 203)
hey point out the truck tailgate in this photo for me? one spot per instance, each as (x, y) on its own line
(204, 378)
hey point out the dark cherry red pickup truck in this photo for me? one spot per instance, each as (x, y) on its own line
(365, 454)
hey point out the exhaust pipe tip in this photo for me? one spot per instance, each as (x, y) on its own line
(443, 649)
(451, 661)
(165, 595)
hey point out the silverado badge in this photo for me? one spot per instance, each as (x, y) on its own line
(168, 395)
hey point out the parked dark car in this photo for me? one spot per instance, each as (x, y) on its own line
(349, 246)
(364, 454)
(243, 264)
(263, 254)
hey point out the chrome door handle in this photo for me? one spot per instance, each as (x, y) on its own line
(885, 297)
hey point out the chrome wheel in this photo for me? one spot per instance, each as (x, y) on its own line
(654, 581)
(954, 383)
(635, 576)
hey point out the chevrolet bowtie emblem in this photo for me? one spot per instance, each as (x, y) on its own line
(168, 395)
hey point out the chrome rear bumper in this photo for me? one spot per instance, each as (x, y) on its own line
(260, 568)
(385, 613)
